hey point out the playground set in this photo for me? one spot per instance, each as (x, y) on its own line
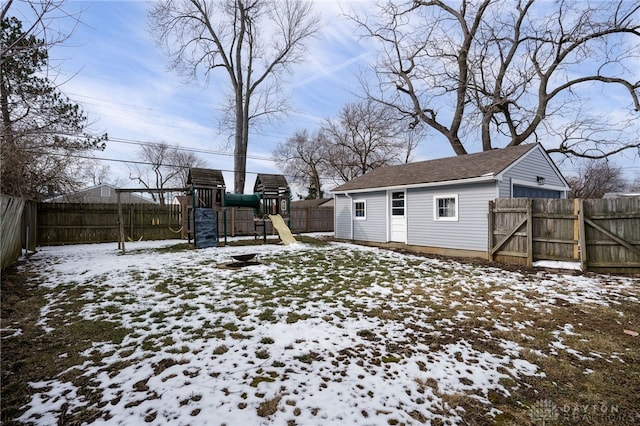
(270, 200)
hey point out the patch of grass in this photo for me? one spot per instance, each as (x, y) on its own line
(267, 315)
(219, 350)
(168, 341)
(262, 354)
(241, 310)
(159, 316)
(390, 359)
(230, 326)
(35, 356)
(309, 357)
(150, 343)
(269, 407)
(367, 335)
(259, 379)
(176, 248)
(293, 317)
(239, 336)
(111, 309)
(252, 242)
(384, 313)
(181, 350)
(316, 242)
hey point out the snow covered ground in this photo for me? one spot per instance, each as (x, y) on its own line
(312, 335)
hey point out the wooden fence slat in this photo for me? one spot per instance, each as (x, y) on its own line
(120, 224)
(491, 226)
(582, 244)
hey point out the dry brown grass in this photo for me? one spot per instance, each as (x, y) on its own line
(269, 406)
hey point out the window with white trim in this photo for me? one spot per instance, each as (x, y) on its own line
(360, 209)
(445, 207)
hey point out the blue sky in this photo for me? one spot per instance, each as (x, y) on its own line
(113, 69)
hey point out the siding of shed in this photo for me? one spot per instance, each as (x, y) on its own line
(468, 233)
(374, 227)
(531, 165)
(342, 214)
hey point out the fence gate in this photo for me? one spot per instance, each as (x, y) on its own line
(509, 231)
(611, 235)
(603, 235)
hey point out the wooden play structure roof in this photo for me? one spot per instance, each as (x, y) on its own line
(270, 183)
(205, 178)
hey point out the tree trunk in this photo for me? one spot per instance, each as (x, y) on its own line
(240, 152)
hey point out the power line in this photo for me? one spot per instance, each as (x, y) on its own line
(145, 163)
(182, 148)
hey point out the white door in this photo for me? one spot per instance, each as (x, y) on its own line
(398, 222)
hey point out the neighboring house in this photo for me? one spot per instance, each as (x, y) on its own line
(104, 193)
(442, 205)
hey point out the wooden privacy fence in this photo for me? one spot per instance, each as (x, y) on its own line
(602, 234)
(76, 223)
(310, 219)
(240, 221)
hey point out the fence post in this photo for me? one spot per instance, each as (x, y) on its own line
(233, 221)
(529, 233)
(120, 223)
(582, 238)
(491, 225)
(576, 229)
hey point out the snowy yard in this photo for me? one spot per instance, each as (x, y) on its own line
(321, 334)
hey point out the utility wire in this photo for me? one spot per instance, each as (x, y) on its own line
(146, 163)
(183, 148)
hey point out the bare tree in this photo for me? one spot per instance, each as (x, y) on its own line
(506, 72)
(595, 178)
(183, 160)
(43, 15)
(41, 130)
(302, 157)
(93, 173)
(254, 42)
(162, 166)
(365, 136)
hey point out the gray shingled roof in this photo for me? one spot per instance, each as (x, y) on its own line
(439, 170)
(205, 178)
